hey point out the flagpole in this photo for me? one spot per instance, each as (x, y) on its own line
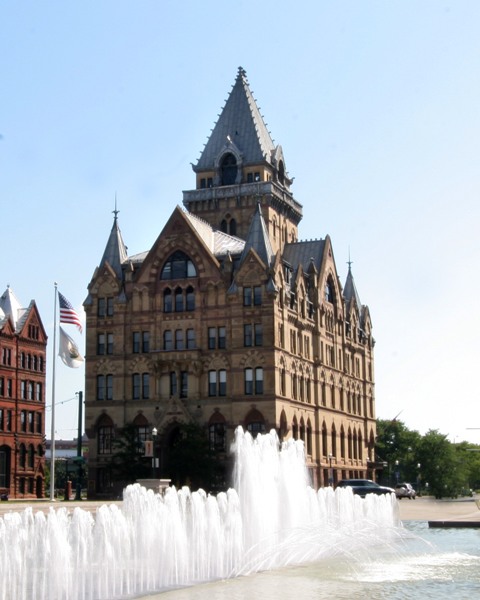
(52, 436)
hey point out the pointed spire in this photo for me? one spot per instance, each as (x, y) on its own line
(350, 290)
(115, 251)
(10, 306)
(240, 125)
(257, 238)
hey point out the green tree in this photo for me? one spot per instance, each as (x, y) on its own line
(397, 446)
(191, 461)
(128, 462)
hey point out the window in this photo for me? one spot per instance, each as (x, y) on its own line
(23, 421)
(145, 341)
(217, 383)
(136, 342)
(39, 422)
(31, 456)
(179, 340)
(228, 169)
(105, 307)
(217, 434)
(252, 296)
(249, 381)
(178, 266)
(173, 383)
(259, 380)
(7, 356)
(167, 301)
(136, 386)
(23, 456)
(9, 420)
(184, 384)
(145, 386)
(191, 339)
(2, 423)
(104, 387)
(190, 298)
(31, 422)
(217, 338)
(105, 439)
(2, 386)
(101, 343)
(247, 335)
(167, 340)
(109, 343)
(179, 300)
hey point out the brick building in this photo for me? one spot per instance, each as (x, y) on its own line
(229, 319)
(23, 343)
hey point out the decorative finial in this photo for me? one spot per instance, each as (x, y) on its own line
(349, 262)
(115, 212)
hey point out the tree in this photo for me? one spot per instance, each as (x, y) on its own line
(397, 446)
(191, 460)
(128, 461)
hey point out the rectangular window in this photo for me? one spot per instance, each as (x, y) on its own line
(247, 335)
(167, 340)
(179, 339)
(23, 390)
(247, 296)
(39, 392)
(109, 343)
(109, 390)
(109, 307)
(212, 383)
(257, 295)
(249, 381)
(212, 338)
(145, 341)
(23, 421)
(173, 383)
(184, 384)
(31, 422)
(101, 343)
(9, 388)
(136, 386)
(258, 334)
(190, 339)
(2, 386)
(100, 387)
(136, 342)
(222, 382)
(222, 340)
(9, 420)
(145, 386)
(102, 307)
(39, 422)
(2, 423)
(259, 380)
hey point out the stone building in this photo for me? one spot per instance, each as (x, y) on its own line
(23, 343)
(229, 319)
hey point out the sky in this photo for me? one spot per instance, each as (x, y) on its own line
(376, 106)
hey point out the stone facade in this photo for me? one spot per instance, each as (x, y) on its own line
(230, 320)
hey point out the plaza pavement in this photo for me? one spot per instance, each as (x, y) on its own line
(421, 509)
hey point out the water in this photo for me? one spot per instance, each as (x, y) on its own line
(424, 563)
(248, 540)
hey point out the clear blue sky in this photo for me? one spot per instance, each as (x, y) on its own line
(376, 105)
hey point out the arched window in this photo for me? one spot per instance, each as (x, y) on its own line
(329, 291)
(255, 422)
(142, 432)
(324, 440)
(31, 456)
(228, 169)
(217, 432)
(178, 300)
(309, 437)
(233, 227)
(23, 455)
(105, 435)
(178, 266)
(167, 340)
(224, 226)
(190, 298)
(283, 426)
(167, 301)
(295, 428)
(179, 345)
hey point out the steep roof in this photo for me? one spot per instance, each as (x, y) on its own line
(350, 290)
(304, 253)
(115, 251)
(241, 123)
(218, 242)
(258, 239)
(11, 307)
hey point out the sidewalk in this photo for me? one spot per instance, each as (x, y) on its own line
(429, 509)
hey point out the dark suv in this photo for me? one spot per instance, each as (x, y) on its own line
(362, 487)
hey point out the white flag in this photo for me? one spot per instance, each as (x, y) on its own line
(68, 351)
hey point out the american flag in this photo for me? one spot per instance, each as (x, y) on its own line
(68, 313)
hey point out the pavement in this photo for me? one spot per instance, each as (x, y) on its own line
(420, 509)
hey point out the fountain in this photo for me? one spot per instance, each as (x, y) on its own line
(152, 542)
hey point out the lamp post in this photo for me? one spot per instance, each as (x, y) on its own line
(397, 471)
(419, 478)
(154, 459)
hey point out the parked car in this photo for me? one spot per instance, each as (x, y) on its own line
(405, 490)
(362, 487)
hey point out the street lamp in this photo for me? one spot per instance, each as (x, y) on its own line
(397, 471)
(154, 460)
(419, 478)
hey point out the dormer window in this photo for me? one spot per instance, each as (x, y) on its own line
(228, 169)
(178, 266)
